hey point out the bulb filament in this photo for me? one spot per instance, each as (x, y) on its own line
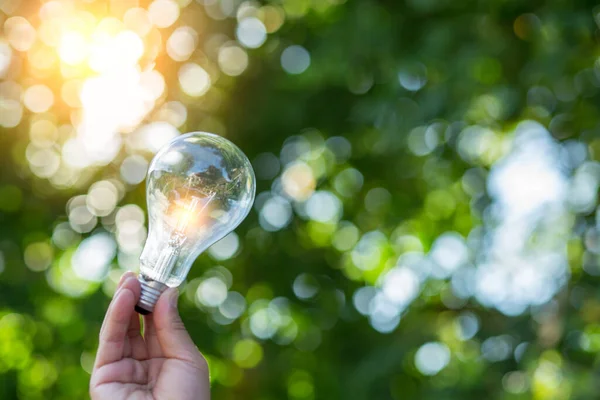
(186, 218)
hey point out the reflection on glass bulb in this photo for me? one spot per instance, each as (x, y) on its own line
(200, 187)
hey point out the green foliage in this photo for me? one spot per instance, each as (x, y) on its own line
(425, 223)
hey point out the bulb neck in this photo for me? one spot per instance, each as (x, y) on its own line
(151, 291)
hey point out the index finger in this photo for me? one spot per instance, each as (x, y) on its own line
(116, 323)
(123, 279)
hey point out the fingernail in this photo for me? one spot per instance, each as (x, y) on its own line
(125, 277)
(174, 298)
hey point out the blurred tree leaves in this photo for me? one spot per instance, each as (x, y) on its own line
(404, 112)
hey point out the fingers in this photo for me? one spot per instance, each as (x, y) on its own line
(117, 322)
(124, 277)
(172, 336)
(152, 343)
(135, 346)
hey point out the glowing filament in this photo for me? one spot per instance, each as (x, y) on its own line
(190, 215)
(186, 215)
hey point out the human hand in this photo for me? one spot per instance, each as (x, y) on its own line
(162, 364)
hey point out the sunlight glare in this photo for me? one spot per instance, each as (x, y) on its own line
(110, 54)
(73, 48)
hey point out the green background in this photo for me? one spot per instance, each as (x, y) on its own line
(426, 101)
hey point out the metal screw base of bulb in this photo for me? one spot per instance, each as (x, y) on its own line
(151, 291)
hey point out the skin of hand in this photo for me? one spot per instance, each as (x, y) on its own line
(162, 364)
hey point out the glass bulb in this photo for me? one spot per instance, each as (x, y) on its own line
(199, 188)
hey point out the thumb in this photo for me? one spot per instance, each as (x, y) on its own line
(174, 339)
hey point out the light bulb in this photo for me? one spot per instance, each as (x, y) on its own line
(199, 188)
